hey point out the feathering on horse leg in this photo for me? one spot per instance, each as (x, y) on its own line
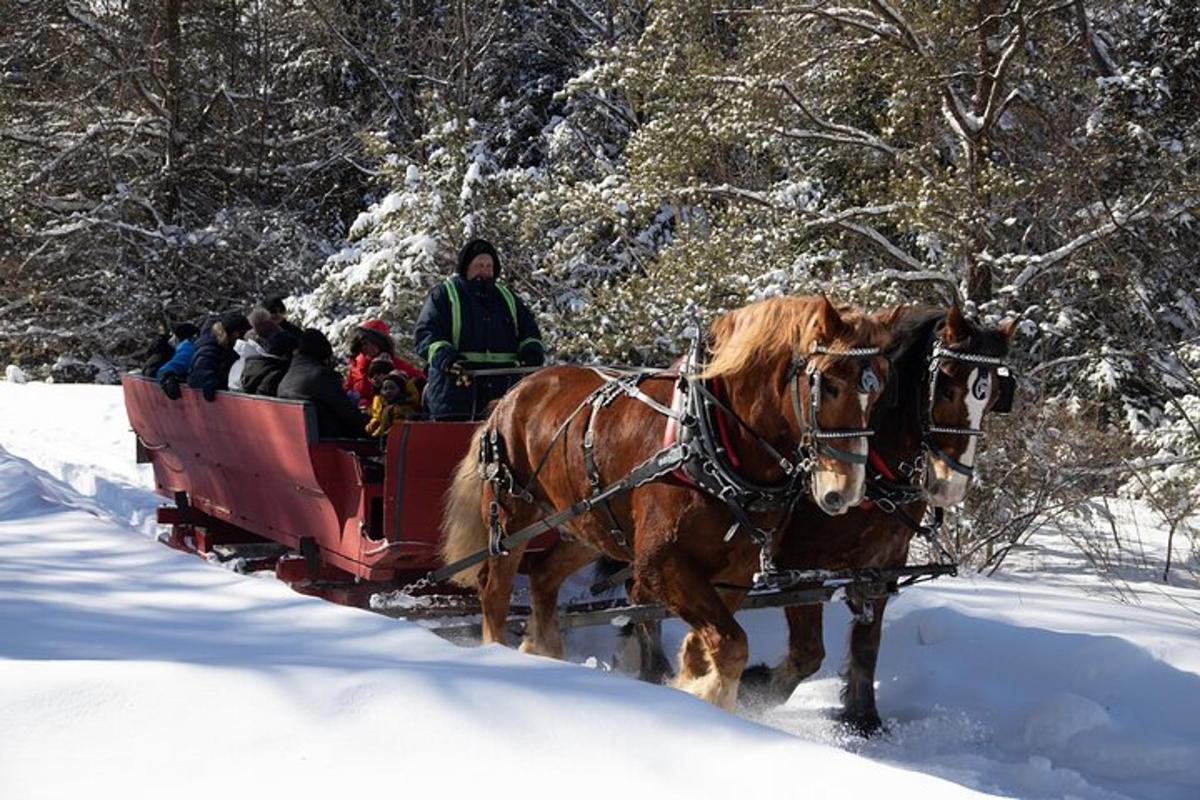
(697, 603)
(694, 661)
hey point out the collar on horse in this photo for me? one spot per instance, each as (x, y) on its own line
(700, 425)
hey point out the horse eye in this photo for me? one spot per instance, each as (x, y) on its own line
(830, 389)
(946, 390)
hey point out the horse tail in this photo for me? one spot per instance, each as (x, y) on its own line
(463, 528)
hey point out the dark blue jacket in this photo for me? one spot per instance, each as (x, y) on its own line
(211, 363)
(491, 334)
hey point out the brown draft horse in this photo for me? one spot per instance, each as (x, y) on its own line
(677, 534)
(930, 432)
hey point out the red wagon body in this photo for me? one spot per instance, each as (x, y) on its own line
(252, 469)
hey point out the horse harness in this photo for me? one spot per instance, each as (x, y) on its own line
(699, 454)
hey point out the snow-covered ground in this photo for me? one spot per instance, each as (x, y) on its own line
(128, 669)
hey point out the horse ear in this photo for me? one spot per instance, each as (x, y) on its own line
(1008, 328)
(957, 328)
(828, 325)
(888, 317)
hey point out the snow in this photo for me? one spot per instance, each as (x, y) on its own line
(129, 669)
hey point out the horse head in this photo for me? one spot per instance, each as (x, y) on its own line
(966, 377)
(833, 393)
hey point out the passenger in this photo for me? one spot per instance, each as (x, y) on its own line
(262, 327)
(470, 321)
(162, 349)
(215, 354)
(263, 373)
(279, 316)
(398, 399)
(372, 339)
(175, 371)
(312, 377)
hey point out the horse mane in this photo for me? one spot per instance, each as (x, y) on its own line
(916, 324)
(766, 334)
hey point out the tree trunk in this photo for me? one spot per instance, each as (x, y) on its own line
(173, 39)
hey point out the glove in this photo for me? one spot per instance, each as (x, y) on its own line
(170, 385)
(210, 393)
(460, 376)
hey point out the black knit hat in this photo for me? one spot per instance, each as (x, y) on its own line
(275, 305)
(281, 344)
(314, 344)
(235, 322)
(477, 247)
(184, 331)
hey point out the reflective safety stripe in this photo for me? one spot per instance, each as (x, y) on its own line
(456, 316)
(433, 348)
(455, 312)
(511, 302)
(530, 340)
(492, 358)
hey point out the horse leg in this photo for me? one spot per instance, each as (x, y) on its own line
(806, 651)
(717, 636)
(653, 666)
(693, 657)
(546, 576)
(495, 594)
(858, 691)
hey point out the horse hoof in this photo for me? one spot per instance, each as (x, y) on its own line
(757, 690)
(865, 725)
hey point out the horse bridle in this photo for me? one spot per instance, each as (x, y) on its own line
(1005, 389)
(814, 438)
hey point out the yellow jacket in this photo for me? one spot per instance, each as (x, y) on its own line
(384, 414)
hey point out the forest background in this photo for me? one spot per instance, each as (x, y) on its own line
(639, 163)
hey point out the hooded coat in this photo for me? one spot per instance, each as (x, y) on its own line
(495, 329)
(310, 377)
(215, 354)
(262, 374)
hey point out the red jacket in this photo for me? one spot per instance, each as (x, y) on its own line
(357, 380)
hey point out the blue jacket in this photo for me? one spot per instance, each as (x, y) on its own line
(181, 362)
(481, 326)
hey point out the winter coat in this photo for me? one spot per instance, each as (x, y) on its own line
(180, 363)
(213, 359)
(315, 381)
(157, 353)
(494, 329)
(359, 382)
(290, 327)
(384, 415)
(262, 374)
(244, 348)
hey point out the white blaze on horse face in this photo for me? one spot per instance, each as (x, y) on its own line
(837, 485)
(948, 487)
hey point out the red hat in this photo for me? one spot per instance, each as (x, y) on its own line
(378, 331)
(377, 325)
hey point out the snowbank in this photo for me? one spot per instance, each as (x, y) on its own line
(129, 669)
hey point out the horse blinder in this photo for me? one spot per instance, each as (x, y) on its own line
(1006, 389)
